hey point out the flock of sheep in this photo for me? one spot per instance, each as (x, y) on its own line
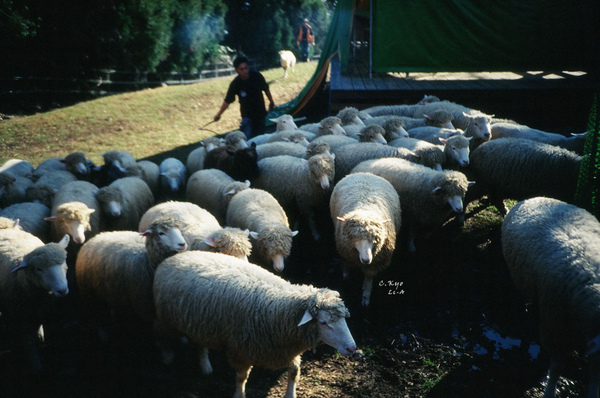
(170, 243)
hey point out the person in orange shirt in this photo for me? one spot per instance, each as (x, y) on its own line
(305, 39)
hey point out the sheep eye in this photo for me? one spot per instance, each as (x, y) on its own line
(322, 322)
(161, 233)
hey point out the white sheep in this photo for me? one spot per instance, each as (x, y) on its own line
(574, 142)
(348, 156)
(114, 270)
(229, 240)
(258, 211)
(349, 116)
(400, 110)
(197, 223)
(552, 250)
(461, 114)
(433, 134)
(31, 217)
(334, 141)
(236, 139)
(255, 317)
(300, 186)
(297, 136)
(124, 202)
(212, 190)
(32, 275)
(427, 154)
(47, 185)
(17, 167)
(365, 210)
(513, 168)
(13, 189)
(284, 122)
(195, 160)
(75, 212)
(173, 177)
(437, 119)
(150, 172)
(373, 133)
(288, 61)
(429, 197)
(271, 149)
(331, 125)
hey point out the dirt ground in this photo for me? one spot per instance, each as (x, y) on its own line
(444, 322)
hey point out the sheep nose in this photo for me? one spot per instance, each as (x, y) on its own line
(465, 163)
(77, 240)
(62, 292)
(351, 349)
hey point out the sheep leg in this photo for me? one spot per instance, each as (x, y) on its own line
(205, 366)
(293, 377)
(411, 241)
(553, 374)
(312, 223)
(28, 338)
(367, 288)
(241, 377)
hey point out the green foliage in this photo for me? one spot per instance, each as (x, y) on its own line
(588, 185)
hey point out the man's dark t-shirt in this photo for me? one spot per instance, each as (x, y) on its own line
(249, 92)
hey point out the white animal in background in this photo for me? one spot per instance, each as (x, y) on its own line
(288, 61)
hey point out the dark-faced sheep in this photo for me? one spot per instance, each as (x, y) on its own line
(240, 164)
(365, 210)
(124, 202)
(258, 319)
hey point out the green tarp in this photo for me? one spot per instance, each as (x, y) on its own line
(493, 35)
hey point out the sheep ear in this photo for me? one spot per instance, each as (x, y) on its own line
(286, 139)
(294, 233)
(471, 183)
(16, 223)
(253, 145)
(62, 161)
(442, 140)
(254, 234)
(90, 211)
(247, 182)
(304, 161)
(273, 120)
(247, 232)
(427, 117)
(64, 242)
(22, 265)
(342, 219)
(209, 241)
(51, 218)
(469, 138)
(146, 233)
(307, 317)
(437, 190)
(228, 193)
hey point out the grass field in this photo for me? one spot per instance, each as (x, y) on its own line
(144, 123)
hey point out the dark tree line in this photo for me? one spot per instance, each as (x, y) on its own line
(65, 38)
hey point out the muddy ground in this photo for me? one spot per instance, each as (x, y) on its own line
(444, 322)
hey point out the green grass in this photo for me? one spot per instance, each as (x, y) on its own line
(144, 123)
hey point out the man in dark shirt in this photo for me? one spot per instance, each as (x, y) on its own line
(248, 86)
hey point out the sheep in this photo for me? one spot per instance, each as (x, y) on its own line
(257, 318)
(280, 148)
(121, 159)
(574, 142)
(195, 160)
(296, 136)
(13, 189)
(461, 114)
(349, 116)
(197, 223)
(114, 270)
(124, 202)
(365, 210)
(32, 276)
(150, 172)
(258, 211)
(236, 139)
(212, 190)
(520, 169)
(49, 166)
(31, 217)
(400, 110)
(284, 122)
(429, 197)
(75, 212)
(427, 154)
(17, 167)
(240, 164)
(348, 156)
(433, 134)
(45, 187)
(373, 133)
(333, 141)
(331, 125)
(260, 139)
(394, 128)
(552, 252)
(231, 241)
(9, 223)
(439, 118)
(317, 148)
(78, 164)
(300, 186)
(288, 61)
(173, 177)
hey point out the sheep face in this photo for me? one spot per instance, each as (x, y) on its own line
(365, 235)
(46, 268)
(455, 201)
(77, 163)
(110, 199)
(169, 236)
(322, 170)
(274, 242)
(457, 149)
(284, 122)
(479, 127)
(73, 219)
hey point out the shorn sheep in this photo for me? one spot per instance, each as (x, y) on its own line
(552, 250)
(429, 197)
(365, 210)
(75, 212)
(115, 269)
(288, 61)
(197, 223)
(574, 142)
(258, 211)
(300, 186)
(212, 190)
(256, 318)
(513, 168)
(124, 202)
(32, 275)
